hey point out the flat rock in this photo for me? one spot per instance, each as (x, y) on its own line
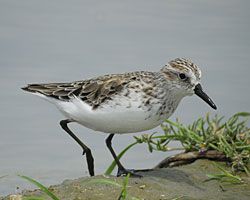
(188, 182)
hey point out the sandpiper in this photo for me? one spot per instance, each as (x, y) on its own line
(123, 103)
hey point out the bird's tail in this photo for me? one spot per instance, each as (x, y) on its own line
(61, 91)
(36, 88)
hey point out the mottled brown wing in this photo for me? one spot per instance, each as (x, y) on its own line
(93, 91)
(96, 92)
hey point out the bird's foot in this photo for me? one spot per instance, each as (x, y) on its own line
(125, 172)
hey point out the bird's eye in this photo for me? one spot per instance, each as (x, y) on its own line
(182, 76)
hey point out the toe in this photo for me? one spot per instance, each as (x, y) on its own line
(125, 172)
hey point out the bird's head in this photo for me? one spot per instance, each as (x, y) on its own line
(184, 77)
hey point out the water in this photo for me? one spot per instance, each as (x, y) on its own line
(54, 41)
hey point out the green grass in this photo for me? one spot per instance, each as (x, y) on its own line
(41, 187)
(230, 137)
(225, 177)
(124, 194)
(113, 164)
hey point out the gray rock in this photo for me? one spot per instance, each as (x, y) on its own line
(186, 182)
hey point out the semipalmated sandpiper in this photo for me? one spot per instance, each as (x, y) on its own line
(123, 103)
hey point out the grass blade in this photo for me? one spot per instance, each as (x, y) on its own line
(113, 164)
(242, 114)
(40, 186)
(225, 176)
(124, 194)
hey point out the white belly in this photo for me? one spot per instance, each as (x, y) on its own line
(116, 117)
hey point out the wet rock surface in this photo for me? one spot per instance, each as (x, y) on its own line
(184, 182)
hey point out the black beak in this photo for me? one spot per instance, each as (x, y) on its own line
(199, 92)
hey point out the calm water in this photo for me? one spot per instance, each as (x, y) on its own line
(52, 41)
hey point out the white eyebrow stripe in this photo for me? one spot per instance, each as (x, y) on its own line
(185, 65)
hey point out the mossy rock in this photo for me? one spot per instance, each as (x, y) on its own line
(184, 182)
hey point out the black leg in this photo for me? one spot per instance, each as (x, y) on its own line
(89, 157)
(121, 170)
(109, 145)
